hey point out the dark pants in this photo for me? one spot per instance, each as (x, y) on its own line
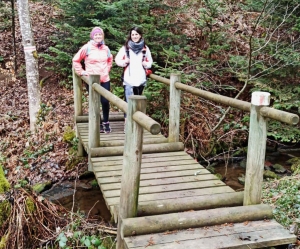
(104, 101)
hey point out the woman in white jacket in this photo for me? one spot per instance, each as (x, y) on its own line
(135, 57)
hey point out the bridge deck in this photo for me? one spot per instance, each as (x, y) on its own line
(168, 175)
(253, 234)
(176, 175)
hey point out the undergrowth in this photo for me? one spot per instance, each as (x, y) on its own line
(284, 196)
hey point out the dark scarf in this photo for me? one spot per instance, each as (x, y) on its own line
(97, 44)
(136, 47)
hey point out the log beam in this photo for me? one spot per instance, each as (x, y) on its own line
(185, 220)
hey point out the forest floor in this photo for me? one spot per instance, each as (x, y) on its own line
(43, 156)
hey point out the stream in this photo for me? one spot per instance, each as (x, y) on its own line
(233, 170)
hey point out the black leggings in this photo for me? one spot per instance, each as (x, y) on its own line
(104, 101)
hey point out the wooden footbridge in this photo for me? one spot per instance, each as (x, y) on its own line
(158, 194)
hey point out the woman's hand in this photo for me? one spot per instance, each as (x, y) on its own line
(84, 73)
(126, 61)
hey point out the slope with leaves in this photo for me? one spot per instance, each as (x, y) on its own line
(44, 156)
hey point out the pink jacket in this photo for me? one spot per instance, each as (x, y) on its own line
(96, 60)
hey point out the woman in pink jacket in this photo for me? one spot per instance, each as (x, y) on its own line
(98, 60)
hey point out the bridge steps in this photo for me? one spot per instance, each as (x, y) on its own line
(243, 235)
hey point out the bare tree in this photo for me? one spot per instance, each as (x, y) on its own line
(31, 60)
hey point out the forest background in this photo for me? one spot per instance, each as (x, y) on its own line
(227, 47)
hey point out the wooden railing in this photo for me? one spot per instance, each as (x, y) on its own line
(137, 121)
(257, 130)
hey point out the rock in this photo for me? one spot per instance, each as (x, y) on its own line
(241, 179)
(270, 174)
(279, 168)
(40, 187)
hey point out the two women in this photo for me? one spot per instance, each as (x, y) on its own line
(135, 57)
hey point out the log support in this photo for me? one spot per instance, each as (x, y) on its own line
(256, 149)
(94, 117)
(77, 88)
(174, 112)
(132, 159)
(185, 220)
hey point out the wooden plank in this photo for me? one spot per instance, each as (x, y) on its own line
(163, 181)
(194, 219)
(261, 239)
(115, 176)
(155, 173)
(144, 156)
(163, 166)
(220, 236)
(149, 161)
(152, 159)
(120, 134)
(118, 126)
(175, 194)
(120, 142)
(169, 188)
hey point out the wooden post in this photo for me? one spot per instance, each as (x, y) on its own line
(256, 149)
(77, 89)
(174, 111)
(94, 116)
(132, 159)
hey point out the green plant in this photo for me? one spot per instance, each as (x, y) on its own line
(283, 133)
(5, 15)
(74, 235)
(43, 112)
(34, 154)
(21, 183)
(69, 136)
(284, 196)
(78, 239)
(4, 184)
(162, 31)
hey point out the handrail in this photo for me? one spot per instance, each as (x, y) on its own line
(121, 104)
(267, 112)
(259, 111)
(141, 118)
(159, 79)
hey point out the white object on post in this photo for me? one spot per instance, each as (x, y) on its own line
(260, 98)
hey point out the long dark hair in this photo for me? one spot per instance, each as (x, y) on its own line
(136, 29)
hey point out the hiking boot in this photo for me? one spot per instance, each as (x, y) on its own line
(106, 126)
(101, 128)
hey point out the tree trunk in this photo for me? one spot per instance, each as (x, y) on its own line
(31, 60)
(13, 31)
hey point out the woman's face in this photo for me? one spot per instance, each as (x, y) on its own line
(135, 36)
(98, 37)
